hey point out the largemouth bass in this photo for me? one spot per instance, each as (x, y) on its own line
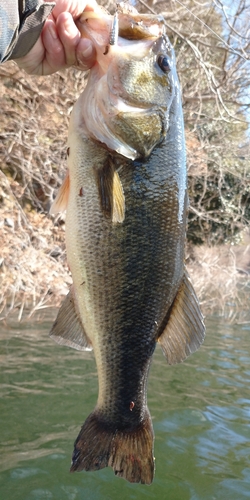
(126, 200)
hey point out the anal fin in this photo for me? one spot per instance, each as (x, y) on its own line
(68, 329)
(185, 329)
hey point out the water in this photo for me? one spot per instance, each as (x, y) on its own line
(200, 410)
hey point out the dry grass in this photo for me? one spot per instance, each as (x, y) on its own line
(33, 269)
(221, 276)
(35, 113)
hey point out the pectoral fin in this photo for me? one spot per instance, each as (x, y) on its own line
(118, 209)
(61, 200)
(185, 329)
(111, 192)
(68, 329)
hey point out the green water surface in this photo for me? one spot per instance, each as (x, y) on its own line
(200, 411)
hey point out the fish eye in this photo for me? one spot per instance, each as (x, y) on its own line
(163, 63)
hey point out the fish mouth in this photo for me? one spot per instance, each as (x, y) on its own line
(107, 102)
(126, 24)
(126, 32)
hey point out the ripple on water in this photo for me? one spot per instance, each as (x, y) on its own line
(40, 494)
(23, 473)
(200, 410)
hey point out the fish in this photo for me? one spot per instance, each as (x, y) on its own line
(126, 202)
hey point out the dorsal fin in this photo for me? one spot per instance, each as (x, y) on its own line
(185, 329)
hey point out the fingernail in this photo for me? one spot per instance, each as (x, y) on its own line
(88, 51)
(85, 53)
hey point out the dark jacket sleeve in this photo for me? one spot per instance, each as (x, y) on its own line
(21, 22)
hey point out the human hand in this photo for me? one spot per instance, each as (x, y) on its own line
(60, 44)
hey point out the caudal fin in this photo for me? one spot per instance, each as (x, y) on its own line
(129, 452)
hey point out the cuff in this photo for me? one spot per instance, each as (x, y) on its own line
(30, 28)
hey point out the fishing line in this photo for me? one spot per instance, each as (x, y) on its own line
(147, 7)
(231, 49)
(168, 25)
(208, 28)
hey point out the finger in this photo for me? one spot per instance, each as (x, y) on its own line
(69, 36)
(85, 54)
(54, 50)
(75, 7)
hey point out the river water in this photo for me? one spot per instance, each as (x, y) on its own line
(200, 410)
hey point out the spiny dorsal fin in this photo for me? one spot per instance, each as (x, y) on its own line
(67, 328)
(61, 200)
(185, 330)
(111, 192)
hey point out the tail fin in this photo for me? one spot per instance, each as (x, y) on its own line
(129, 452)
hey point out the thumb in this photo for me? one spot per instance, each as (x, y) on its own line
(85, 54)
